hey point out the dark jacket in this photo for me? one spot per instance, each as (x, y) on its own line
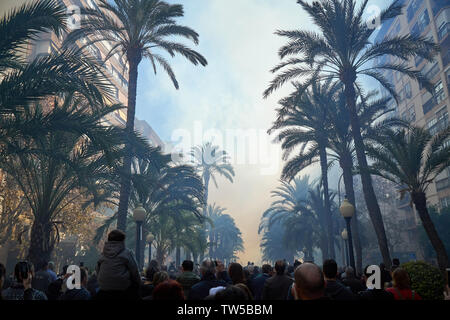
(187, 280)
(41, 281)
(257, 285)
(117, 269)
(277, 287)
(200, 290)
(76, 295)
(375, 294)
(18, 292)
(354, 284)
(337, 291)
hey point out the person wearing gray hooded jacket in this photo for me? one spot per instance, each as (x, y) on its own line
(117, 270)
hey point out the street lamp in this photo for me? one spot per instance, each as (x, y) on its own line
(150, 239)
(139, 214)
(344, 236)
(347, 211)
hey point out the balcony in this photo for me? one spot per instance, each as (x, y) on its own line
(443, 31)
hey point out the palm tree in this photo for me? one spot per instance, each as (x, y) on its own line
(303, 121)
(413, 159)
(137, 29)
(370, 112)
(22, 82)
(343, 50)
(226, 238)
(210, 160)
(58, 168)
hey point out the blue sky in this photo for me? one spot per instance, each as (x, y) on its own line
(237, 38)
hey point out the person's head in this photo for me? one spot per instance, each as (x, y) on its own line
(64, 270)
(290, 269)
(330, 269)
(382, 266)
(309, 282)
(2, 275)
(84, 274)
(349, 273)
(208, 267)
(400, 279)
(51, 265)
(231, 293)
(160, 277)
(236, 273)
(267, 269)
(116, 236)
(280, 267)
(152, 269)
(187, 265)
(247, 291)
(42, 265)
(23, 270)
(396, 262)
(168, 290)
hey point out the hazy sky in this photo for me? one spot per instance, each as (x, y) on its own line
(237, 37)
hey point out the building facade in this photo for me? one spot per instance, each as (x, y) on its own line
(431, 19)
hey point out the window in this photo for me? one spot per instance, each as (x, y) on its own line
(433, 72)
(408, 93)
(412, 9)
(443, 30)
(418, 60)
(443, 184)
(428, 102)
(439, 122)
(439, 93)
(445, 203)
(422, 22)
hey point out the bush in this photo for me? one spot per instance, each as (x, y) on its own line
(426, 280)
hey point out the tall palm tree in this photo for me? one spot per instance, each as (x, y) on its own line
(343, 50)
(413, 159)
(22, 82)
(226, 238)
(137, 29)
(303, 121)
(57, 168)
(211, 161)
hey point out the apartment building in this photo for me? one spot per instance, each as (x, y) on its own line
(429, 18)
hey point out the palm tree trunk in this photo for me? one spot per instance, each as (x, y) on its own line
(40, 243)
(324, 169)
(366, 179)
(178, 256)
(125, 183)
(347, 166)
(420, 202)
(324, 246)
(205, 207)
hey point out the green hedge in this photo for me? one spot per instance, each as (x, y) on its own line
(426, 280)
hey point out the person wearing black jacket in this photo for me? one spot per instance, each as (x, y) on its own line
(257, 284)
(372, 293)
(208, 281)
(2, 276)
(277, 287)
(334, 289)
(78, 294)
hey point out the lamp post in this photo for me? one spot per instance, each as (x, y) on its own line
(139, 214)
(150, 238)
(344, 236)
(347, 211)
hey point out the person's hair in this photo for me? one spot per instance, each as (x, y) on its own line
(116, 235)
(64, 269)
(188, 265)
(41, 265)
(84, 274)
(152, 269)
(266, 268)
(350, 272)
(160, 277)
(330, 268)
(280, 267)
(382, 266)
(247, 291)
(168, 290)
(208, 267)
(309, 279)
(401, 279)
(51, 265)
(236, 273)
(22, 269)
(396, 262)
(2, 274)
(231, 293)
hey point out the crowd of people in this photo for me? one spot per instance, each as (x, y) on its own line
(117, 277)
